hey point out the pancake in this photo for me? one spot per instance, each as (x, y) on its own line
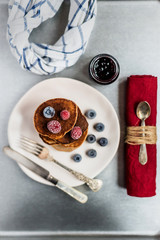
(66, 143)
(71, 146)
(58, 104)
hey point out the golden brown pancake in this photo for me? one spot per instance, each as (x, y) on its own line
(66, 143)
(71, 146)
(58, 104)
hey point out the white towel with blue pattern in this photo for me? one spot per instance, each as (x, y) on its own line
(25, 15)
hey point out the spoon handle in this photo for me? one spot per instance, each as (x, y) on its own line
(143, 150)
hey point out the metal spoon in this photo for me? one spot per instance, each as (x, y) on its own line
(143, 111)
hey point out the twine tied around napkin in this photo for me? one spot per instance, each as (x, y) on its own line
(44, 59)
(137, 135)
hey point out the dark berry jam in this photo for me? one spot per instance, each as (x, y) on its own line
(104, 69)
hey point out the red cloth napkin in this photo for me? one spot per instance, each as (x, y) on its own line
(141, 179)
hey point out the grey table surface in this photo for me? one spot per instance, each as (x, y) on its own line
(130, 31)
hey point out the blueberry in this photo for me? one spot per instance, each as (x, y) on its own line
(103, 142)
(99, 127)
(91, 138)
(77, 158)
(48, 112)
(91, 153)
(91, 114)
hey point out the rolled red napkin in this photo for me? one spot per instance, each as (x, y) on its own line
(141, 179)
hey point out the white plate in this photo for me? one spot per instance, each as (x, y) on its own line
(86, 97)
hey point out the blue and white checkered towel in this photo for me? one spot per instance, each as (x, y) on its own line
(25, 15)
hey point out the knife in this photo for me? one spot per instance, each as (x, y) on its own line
(42, 172)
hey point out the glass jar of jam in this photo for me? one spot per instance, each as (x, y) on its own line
(104, 69)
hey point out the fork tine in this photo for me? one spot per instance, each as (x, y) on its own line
(28, 140)
(33, 147)
(29, 150)
(30, 147)
(31, 143)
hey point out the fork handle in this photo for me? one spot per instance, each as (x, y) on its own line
(93, 184)
(78, 175)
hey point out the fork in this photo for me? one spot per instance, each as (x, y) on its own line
(42, 152)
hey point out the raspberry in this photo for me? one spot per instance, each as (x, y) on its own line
(76, 133)
(65, 114)
(54, 126)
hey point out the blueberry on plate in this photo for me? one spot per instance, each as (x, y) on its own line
(91, 114)
(77, 157)
(99, 127)
(91, 153)
(91, 138)
(103, 142)
(48, 112)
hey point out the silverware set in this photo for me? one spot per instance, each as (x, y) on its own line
(42, 153)
(45, 174)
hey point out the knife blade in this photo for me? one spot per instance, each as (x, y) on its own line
(42, 172)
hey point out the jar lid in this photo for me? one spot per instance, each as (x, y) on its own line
(104, 69)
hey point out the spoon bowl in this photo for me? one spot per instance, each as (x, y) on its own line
(143, 110)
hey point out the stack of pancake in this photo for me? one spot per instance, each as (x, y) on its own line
(63, 139)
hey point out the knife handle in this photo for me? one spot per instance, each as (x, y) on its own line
(79, 196)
